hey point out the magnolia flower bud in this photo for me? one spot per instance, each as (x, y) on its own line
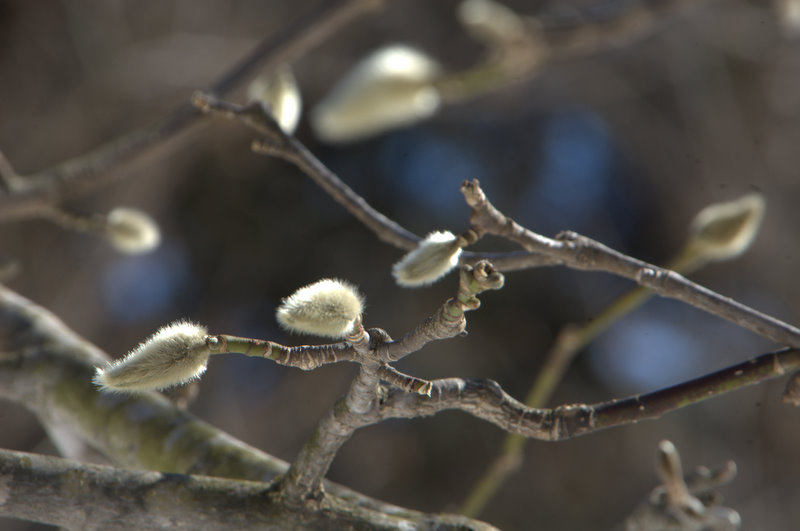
(174, 355)
(327, 308)
(132, 231)
(725, 230)
(389, 89)
(279, 90)
(435, 256)
(489, 21)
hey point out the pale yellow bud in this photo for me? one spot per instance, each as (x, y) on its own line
(132, 231)
(725, 230)
(490, 21)
(328, 308)
(390, 88)
(433, 258)
(174, 355)
(280, 92)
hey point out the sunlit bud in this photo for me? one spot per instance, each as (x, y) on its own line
(390, 88)
(132, 231)
(280, 92)
(433, 258)
(725, 230)
(489, 21)
(327, 308)
(176, 354)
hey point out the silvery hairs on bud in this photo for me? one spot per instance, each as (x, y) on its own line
(327, 308)
(132, 231)
(433, 258)
(174, 355)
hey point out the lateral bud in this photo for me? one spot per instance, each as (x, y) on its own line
(433, 258)
(176, 354)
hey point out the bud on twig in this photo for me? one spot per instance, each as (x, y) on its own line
(390, 88)
(132, 231)
(280, 92)
(328, 308)
(174, 355)
(433, 258)
(726, 230)
(489, 21)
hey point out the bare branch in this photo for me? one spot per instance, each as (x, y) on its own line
(305, 357)
(94, 497)
(48, 368)
(580, 252)
(303, 481)
(449, 321)
(672, 506)
(277, 143)
(487, 400)
(34, 192)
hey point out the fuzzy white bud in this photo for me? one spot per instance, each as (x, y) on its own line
(326, 308)
(390, 88)
(433, 258)
(279, 90)
(174, 355)
(132, 231)
(725, 230)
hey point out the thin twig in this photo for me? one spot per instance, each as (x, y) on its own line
(47, 368)
(569, 341)
(88, 171)
(673, 506)
(277, 143)
(487, 400)
(305, 357)
(580, 252)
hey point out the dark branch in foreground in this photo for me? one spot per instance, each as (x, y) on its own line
(48, 368)
(93, 497)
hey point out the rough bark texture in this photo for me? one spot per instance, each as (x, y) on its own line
(48, 368)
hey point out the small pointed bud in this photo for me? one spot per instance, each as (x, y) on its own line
(726, 230)
(390, 88)
(280, 92)
(174, 355)
(435, 256)
(489, 21)
(328, 308)
(132, 231)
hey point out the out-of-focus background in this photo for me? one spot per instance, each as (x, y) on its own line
(624, 145)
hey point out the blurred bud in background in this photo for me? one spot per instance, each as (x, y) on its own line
(391, 88)
(132, 231)
(280, 92)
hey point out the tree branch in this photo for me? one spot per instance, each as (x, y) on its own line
(34, 192)
(487, 400)
(79, 496)
(277, 143)
(579, 252)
